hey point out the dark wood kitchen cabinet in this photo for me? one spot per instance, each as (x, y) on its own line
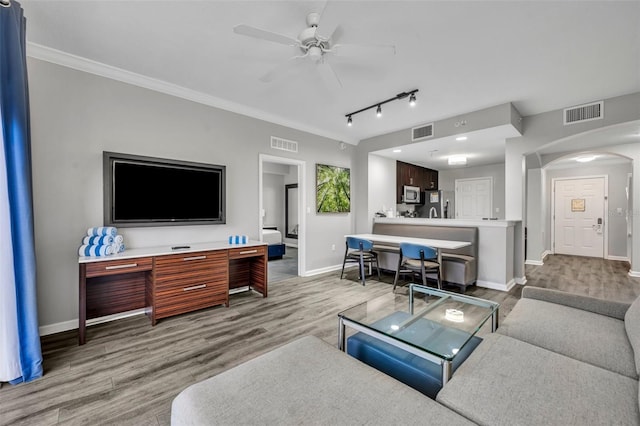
(412, 175)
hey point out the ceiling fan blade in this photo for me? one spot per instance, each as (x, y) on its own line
(328, 23)
(280, 69)
(329, 76)
(363, 49)
(254, 32)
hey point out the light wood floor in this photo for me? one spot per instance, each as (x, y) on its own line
(129, 372)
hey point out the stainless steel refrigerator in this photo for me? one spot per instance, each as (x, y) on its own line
(437, 204)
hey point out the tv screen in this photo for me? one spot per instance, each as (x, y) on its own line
(146, 191)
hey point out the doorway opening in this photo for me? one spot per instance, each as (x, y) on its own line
(282, 199)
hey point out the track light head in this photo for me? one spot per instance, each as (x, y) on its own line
(349, 121)
(412, 100)
(5, 3)
(379, 111)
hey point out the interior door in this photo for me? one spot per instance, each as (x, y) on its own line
(473, 198)
(579, 217)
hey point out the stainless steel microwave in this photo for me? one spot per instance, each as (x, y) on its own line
(411, 194)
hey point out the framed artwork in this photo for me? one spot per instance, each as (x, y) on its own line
(577, 205)
(434, 197)
(333, 189)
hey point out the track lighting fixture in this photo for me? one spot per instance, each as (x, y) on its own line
(378, 105)
(5, 3)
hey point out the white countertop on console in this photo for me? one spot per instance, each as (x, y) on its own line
(165, 250)
(447, 222)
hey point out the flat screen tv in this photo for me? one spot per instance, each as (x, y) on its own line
(147, 191)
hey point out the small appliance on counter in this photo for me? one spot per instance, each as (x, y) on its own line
(437, 204)
(411, 194)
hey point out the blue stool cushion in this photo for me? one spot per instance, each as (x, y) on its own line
(419, 373)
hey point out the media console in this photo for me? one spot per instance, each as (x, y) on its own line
(166, 281)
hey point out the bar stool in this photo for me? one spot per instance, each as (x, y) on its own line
(360, 251)
(417, 259)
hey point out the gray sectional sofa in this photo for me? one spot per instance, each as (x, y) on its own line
(460, 266)
(557, 359)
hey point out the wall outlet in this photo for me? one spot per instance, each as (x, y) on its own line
(333, 247)
(497, 209)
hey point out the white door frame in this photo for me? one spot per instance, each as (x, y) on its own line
(455, 195)
(302, 201)
(605, 217)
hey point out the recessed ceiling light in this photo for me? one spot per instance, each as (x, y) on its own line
(585, 158)
(397, 150)
(456, 160)
(461, 138)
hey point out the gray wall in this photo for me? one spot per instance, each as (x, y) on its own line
(381, 186)
(75, 116)
(273, 200)
(447, 178)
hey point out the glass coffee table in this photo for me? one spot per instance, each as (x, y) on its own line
(434, 325)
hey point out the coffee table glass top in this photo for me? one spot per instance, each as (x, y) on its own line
(436, 321)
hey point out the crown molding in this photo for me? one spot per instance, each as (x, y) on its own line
(58, 57)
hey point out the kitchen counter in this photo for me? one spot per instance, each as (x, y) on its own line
(501, 223)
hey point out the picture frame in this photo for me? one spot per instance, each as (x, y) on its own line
(333, 189)
(577, 205)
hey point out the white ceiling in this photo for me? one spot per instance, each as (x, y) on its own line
(462, 56)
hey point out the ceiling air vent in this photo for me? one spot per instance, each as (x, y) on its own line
(422, 132)
(582, 113)
(284, 144)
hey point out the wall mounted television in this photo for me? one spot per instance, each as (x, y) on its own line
(147, 191)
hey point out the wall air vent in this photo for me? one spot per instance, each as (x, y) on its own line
(422, 132)
(582, 113)
(284, 144)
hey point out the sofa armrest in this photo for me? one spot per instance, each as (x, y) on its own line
(608, 308)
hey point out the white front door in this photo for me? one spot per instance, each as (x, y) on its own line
(474, 198)
(579, 216)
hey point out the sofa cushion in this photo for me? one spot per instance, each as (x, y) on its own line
(561, 329)
(506, 382)
(306, 382)
(632, 326)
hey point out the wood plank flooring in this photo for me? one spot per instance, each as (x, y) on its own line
(129, 372)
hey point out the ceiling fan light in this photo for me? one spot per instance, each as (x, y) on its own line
(379, 111)
(349, 121)
(457, 160)
(412, 100)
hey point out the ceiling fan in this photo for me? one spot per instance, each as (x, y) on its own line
(315, 42)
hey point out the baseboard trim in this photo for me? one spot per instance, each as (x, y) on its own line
(496, 286)
(327, 269)
(534, 262)
(521, 280)
(59, 327)
(545, 254)
(635, 274)
(621, 258)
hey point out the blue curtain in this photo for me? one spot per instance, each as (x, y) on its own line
(20, 353)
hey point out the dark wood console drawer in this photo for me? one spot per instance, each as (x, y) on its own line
(120, 266)
(178, 262)
(182, 271)
(190, 298)
(241, 252)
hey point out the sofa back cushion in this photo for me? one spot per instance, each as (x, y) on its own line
(632, 326)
